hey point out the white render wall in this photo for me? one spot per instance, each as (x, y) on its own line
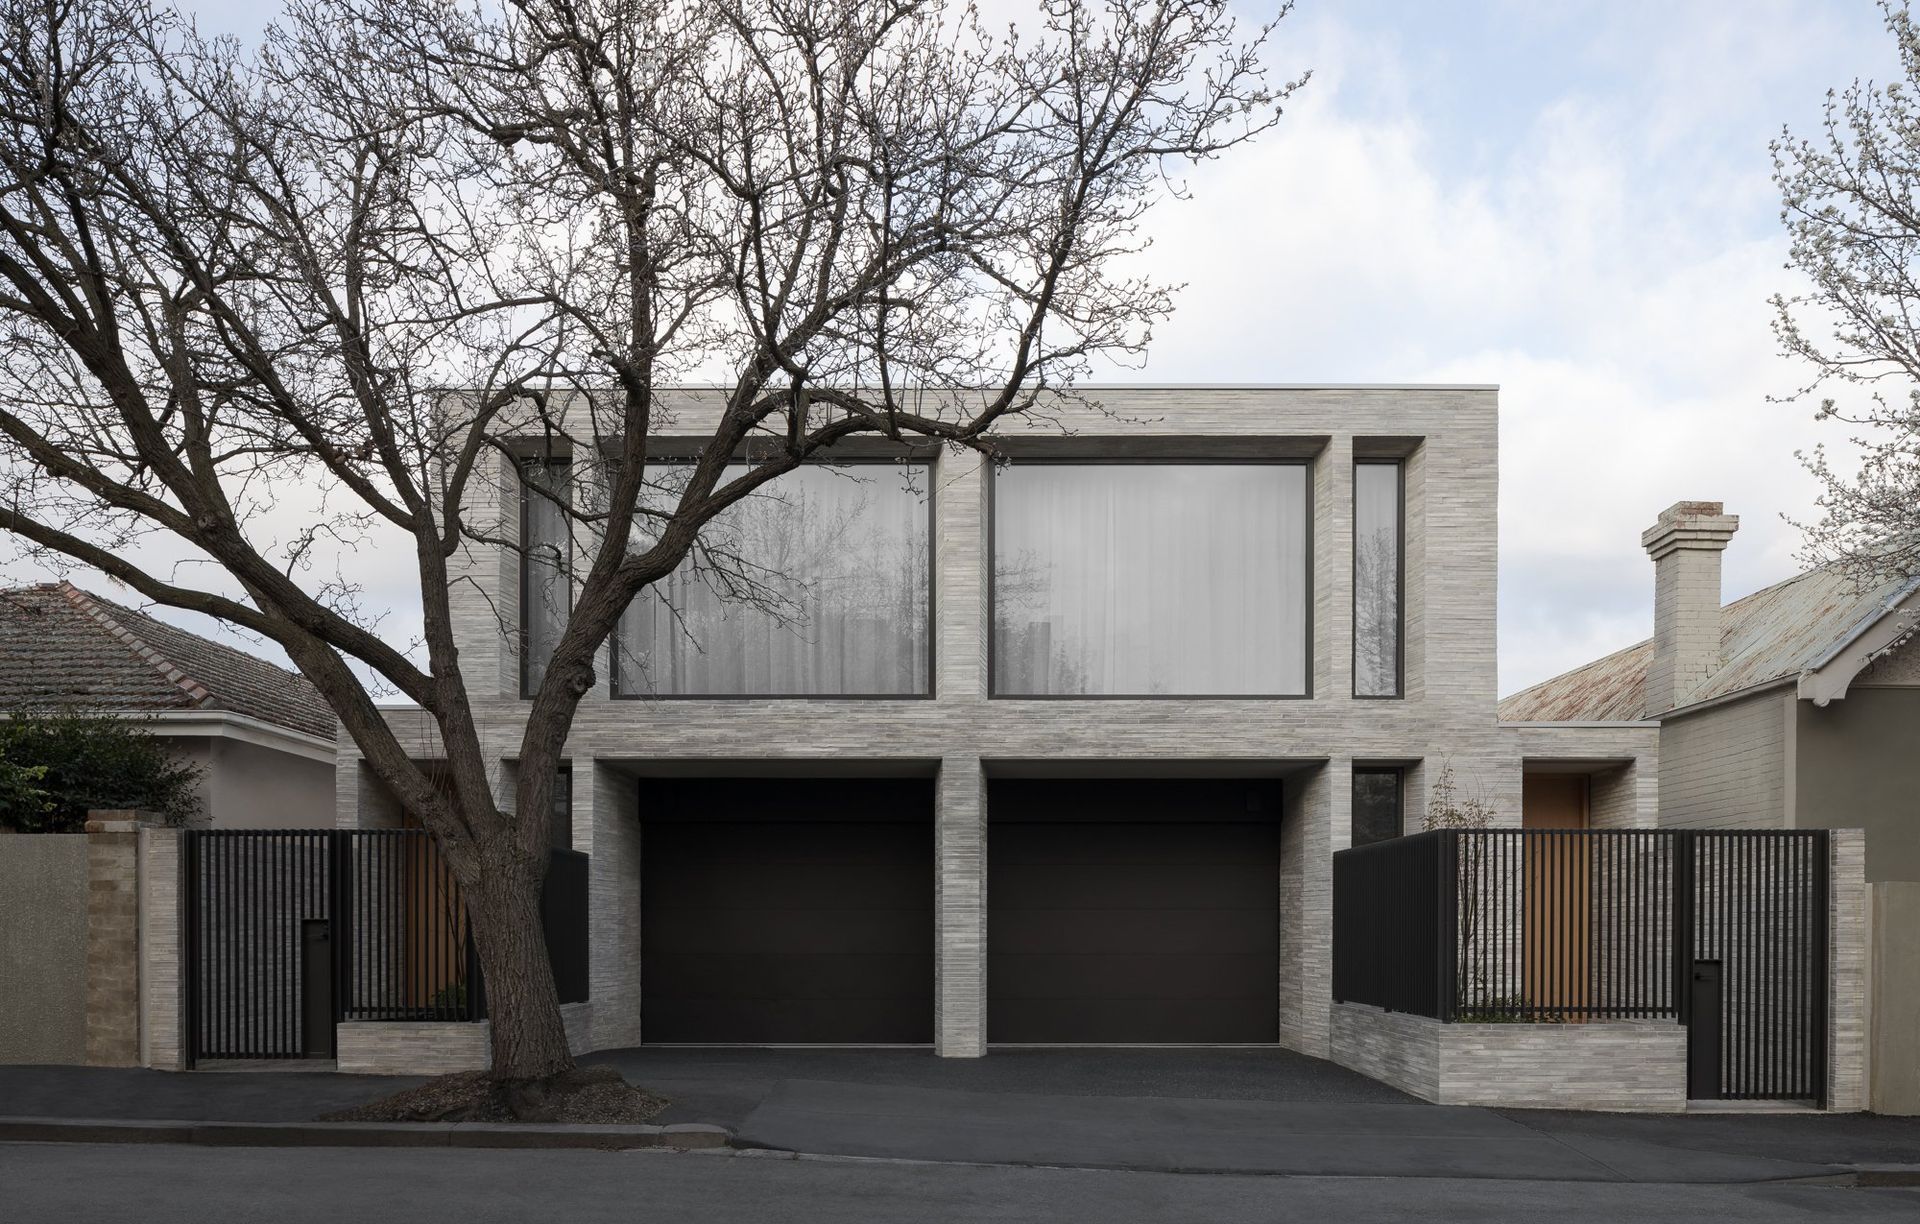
(1449, 438)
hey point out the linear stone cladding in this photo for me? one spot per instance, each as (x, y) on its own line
(384, 1047)
(1627, 1066)
(1448, 437)
(1623, 760)
(1848, 936)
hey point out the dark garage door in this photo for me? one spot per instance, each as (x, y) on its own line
(1138, 911)
(786, 910)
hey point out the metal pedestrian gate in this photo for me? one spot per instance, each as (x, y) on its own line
(1752, 968)
(290, 932)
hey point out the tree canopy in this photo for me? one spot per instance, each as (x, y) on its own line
(268, 304)
(1850, 201)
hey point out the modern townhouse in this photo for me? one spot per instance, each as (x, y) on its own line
(1054, 750)
(1128, 736)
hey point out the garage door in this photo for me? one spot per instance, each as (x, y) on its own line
(787, 910)
(1138, 911)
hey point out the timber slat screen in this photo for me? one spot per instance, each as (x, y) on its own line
(1569, 926)
(289, 932)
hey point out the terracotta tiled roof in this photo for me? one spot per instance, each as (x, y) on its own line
(61, 647)
(1771, 635)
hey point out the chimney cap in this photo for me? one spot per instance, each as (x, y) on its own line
(1690, 524)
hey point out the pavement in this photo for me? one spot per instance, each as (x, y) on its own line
(1223, 1112)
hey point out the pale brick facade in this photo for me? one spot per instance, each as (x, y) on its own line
(1446, 439)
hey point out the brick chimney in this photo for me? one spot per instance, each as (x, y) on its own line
(1685, 544)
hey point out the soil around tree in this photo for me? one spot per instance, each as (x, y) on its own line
(583, 1096)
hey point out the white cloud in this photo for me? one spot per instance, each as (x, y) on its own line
(1609, 268)
(1572, 202)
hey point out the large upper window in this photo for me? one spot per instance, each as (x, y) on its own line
(1158, 579)
(546, 586)
(1376, 579)
(817, 585)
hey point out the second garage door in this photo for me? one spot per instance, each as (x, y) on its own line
(787, 910)
(1144, 911)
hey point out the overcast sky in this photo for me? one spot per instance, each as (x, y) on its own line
(1571, 200)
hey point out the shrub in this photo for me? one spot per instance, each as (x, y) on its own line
(57, 767)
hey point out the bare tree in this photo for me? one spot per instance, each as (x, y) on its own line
(409, 242)
(1848, 201)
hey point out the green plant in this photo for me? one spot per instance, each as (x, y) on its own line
(449, 998)
(55, 767)
(1506, 1009)
(23, 799)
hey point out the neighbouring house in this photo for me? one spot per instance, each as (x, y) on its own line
(1061, 750)
(262, 735)
(1795, 707)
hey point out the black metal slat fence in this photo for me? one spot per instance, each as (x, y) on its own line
(395, 924)
(1572, 926)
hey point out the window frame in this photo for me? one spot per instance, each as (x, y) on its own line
(991, 553)
(521, 464)
(1399, 692)
(927, 463)
(1399, 775)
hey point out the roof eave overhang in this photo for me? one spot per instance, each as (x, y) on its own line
(225, 724)
(1829, 678)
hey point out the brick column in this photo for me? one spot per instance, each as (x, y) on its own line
(1847, 971)
(611, 801)
(960, 583)
(960, 874)
(113, 940)
(1313, 805)
(162, 949)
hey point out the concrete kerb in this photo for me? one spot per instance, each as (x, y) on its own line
(683, 1135)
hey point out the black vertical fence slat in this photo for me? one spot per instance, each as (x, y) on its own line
(399, 934)
(1588, 925)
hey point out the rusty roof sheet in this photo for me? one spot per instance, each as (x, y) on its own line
(1771, 635)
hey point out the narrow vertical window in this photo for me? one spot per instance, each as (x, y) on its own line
(1377, 579)
(1377, 813)
(560, 809)
(546, 587)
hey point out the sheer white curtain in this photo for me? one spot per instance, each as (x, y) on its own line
(1376, 580)
(816, 587)
(1147, 579)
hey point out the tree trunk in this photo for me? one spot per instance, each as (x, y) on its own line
(529, 1039)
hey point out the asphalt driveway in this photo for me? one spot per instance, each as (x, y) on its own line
(726, 1084)
(1219, 1111)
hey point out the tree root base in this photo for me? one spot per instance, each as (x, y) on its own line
(590, 1095)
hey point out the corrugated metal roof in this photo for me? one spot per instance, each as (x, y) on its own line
(1771, 635)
